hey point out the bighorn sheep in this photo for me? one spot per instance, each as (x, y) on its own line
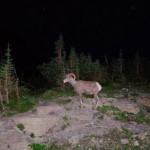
(83, 87)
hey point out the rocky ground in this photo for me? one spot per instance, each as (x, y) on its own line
(61, 120)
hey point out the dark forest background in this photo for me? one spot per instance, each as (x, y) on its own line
(117, 69)
(16, 85)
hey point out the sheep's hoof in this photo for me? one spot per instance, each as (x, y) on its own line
(80, 107)
(94, 107)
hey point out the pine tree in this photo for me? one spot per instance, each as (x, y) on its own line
(59, 45)
(96, 73)
(136, 65)
(1, 97)
(85, 66)
(7, 77)
(6, 73)
(117, 69)
(73, 62)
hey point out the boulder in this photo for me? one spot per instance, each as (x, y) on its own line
(37, 125)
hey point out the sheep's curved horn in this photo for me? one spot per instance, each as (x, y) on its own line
(73, 75)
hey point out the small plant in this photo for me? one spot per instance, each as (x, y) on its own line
(42, 146)
(10, 113)
(63, 101)
(38, 146)
(100, 117)
(66, 123)
(106, 109)
(65, 118)
(49, 94)
(21, 126)
(32, 135)
(127, 132)
(64, 126)
(140, 118)
(121, 115)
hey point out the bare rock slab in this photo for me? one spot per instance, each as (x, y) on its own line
(45, 110)
(127, 105)
(13, 140)
(37, 125)
(144, 101)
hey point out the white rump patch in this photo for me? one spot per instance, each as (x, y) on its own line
(99, 86)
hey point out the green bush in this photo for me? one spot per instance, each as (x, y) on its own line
(42, 146)
(37, 146)
(21, 126)
(23, 104)
(125, 116)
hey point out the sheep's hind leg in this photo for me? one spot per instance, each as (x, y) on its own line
(81, 103)
(96, 99)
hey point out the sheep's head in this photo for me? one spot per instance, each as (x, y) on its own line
(69, 77)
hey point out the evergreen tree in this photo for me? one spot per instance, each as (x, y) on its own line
(6, 73)
(53, 72)
(117, 69)
(73, 62)
(8, 82)
(59, 45)
(96, 73)
(85, 67)
(1, 96)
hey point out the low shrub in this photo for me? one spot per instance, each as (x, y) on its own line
(23, 104)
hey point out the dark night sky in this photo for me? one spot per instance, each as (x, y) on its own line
(101, 27)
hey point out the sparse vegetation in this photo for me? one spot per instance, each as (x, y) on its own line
(115, 137)
(38, 146)
(42, 146)
(63, 101)
(66, 123)
(32, 135)
(54, 93)
(124, 116)
(64, 126)
(100, 117)
(21, 126)
(23, 104)
(65, 118)
(107, 109)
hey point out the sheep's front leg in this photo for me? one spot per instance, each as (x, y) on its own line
(80, 99)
